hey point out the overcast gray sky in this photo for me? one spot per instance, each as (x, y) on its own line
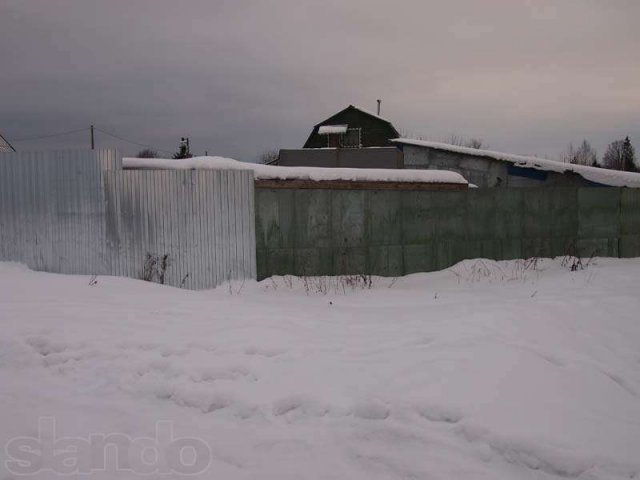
(239, 77)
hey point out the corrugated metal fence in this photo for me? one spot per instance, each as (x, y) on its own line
(51, 211)
(79, 213)
(199, 224)
(105, 159)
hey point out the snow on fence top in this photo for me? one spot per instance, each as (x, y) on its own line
(614, 178)
(273, 172)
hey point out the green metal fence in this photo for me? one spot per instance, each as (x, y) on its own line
(391, 233)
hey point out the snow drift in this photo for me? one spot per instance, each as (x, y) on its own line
(484, 371)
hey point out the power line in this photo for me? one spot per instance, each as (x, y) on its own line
(69, 132)
(131, 141)
(2, 139)
(51, 135)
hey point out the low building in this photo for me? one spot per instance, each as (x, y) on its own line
(374, 157)
(486, 169)
(351, 138)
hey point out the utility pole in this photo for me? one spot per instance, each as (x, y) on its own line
(93, 143)
(184, 147)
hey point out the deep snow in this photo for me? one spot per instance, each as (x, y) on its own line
(484, 371)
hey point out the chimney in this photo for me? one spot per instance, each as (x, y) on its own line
(379, 102)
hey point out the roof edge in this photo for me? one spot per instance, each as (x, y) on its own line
(7, 142)
(354, 107)
(603, 176)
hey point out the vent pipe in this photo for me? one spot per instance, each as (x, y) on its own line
(379, 102)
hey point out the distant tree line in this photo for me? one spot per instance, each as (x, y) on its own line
(620, 155)
(182, 153)
(460, 141)
(269, 157)
(147, 153)
(452, 139)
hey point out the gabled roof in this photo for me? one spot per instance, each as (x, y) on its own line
(338, 118)
(5, 146)
(361, 110)
(603, 176)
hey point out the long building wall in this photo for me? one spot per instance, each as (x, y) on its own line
(375, 157)
(79, 214)
(329, 232)
(486, 172)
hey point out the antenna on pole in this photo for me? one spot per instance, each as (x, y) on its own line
(93, 143)
(379, 102)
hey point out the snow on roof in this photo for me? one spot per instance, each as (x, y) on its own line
(603, 176)
(362, 110)
(332, 129)
(264, 172)
(368, 112)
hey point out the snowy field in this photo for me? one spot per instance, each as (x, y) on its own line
(484, 371)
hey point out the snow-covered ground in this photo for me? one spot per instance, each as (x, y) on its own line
(484, 371)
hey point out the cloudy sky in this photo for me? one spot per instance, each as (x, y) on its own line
(239, 77)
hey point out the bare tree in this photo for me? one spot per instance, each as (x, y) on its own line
(583, 155)
(475, 143)
(404, 133)
(147, 153)
(269, 157)
(620, 155)
(460, 141)
(454, 139)
(613, 156)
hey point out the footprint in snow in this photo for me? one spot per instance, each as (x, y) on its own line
(371, 410)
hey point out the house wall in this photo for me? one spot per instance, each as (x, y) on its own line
(392, 233)
(486, 172)
(375, 132)
(380, 157)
